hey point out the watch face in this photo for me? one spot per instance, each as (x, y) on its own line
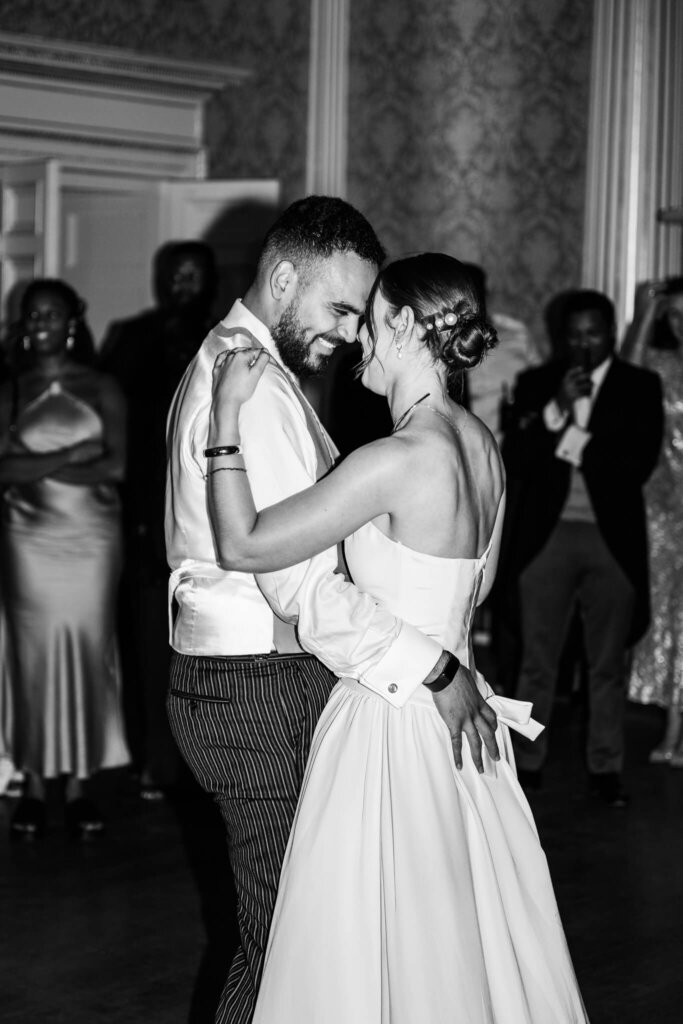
(452, 666)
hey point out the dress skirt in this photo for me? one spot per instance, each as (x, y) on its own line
(60, 554)
(412, 892)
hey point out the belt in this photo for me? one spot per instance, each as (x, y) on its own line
(249, 659)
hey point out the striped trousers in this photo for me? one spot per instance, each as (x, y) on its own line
(244, 726)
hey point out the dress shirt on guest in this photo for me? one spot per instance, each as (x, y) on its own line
(578, 507)
(555, 418)
(615, 463)
(222, 613)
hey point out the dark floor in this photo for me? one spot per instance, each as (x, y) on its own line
(120, 932)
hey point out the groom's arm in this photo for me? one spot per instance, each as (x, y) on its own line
(346, 629)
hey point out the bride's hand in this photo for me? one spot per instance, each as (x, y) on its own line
(236, 373)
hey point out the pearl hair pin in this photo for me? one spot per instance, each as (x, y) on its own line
(441, 322)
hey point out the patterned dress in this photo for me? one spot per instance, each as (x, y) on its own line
(657, 671)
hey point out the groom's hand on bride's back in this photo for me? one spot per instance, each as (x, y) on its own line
(464, 710)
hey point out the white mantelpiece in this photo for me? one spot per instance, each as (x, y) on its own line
(106, 110)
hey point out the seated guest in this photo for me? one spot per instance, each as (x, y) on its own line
(585, 437)
(655, 340)
(62, 451)
(148, 354)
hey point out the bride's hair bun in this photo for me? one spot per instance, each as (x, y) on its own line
(446, 302)
(459, 336)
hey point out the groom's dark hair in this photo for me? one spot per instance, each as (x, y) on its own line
(316, 228)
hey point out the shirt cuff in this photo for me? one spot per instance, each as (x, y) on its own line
(553, 417)
(409, 660)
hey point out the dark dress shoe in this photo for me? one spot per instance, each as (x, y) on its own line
(607, 787)
(83, 819)
(531, 780)
(28, 820)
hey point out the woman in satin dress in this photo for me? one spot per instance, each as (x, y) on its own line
(62, 444)
(655, 340)
(414, 887)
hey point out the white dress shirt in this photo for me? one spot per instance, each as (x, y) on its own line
(578, 506)
(214, 612)
(555, 419)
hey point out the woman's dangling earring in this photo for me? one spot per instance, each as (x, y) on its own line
(69, 342)
(399, 349)
(26, 342)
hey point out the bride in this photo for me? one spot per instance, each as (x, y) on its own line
(414, 888)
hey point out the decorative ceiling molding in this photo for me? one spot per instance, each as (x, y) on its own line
(108, 65)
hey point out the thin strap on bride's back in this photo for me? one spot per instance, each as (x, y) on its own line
(483, 559)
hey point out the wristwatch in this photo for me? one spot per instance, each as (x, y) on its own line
(446, 676)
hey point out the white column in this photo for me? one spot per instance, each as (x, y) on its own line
(635, 146)
(326, 158)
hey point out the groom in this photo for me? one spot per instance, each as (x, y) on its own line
(256, 657)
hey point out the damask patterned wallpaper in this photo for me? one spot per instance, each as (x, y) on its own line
(467, 118)
(468, 132)
(257, 130)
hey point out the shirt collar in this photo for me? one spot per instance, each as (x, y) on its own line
(599, 373)
(240, 316)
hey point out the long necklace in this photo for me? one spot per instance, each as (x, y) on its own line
(408, 411)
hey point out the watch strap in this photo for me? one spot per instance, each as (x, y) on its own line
(446, 676)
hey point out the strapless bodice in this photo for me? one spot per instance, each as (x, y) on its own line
(57, 419)
(435, 594)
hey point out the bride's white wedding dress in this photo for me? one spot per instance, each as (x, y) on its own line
(411, 892)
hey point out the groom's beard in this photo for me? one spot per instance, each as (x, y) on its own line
(295, 351)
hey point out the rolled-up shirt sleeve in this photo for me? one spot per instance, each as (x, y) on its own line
(348, 630)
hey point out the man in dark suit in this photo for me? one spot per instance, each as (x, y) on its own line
(148, 354)
(585, 436)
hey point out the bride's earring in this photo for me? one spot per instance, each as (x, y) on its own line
(26, 342)
(69, 342)
(401, 333)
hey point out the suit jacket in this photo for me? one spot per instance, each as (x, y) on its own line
(626, 424)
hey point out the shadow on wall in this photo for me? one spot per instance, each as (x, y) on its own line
(236, 237)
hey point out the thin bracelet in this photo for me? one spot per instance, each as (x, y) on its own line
(223, 449)
(232, 469)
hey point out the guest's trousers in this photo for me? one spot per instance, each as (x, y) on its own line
(244, 726)
(576, 568)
